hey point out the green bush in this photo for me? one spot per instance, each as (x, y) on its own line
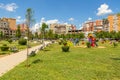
(22, 41)
(9, 40)
(88, 45)
(65, 48)
(4, 47)
(64, 43)
(115, 44)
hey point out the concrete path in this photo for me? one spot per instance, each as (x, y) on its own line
(9, 62)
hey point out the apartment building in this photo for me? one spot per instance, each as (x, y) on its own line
(61, 28)
(98, 26)
(4, 29)
(23, 29)
(88, 26)
(8, 26)
(114, 22)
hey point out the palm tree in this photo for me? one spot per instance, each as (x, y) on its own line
(105, 24)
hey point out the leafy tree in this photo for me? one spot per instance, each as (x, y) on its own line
(36, 34)
(50, 34)
(18, 32)
(118, 35)
(100, 34)
(81, 35)
(118, 14)
(43, 29)
(56, 36)
(113, 34)
(1, 34)
(29, 22)
(29, 18)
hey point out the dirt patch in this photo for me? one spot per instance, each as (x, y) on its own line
(82, 46)
(101, 47)
(3, 55)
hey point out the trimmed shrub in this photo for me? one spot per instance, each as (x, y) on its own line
(4, 47)
(88, 45)
(65, 48)
(64, 43)
(22, 41)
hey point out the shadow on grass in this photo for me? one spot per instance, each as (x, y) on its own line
(37, 61)
(46, 50)
(115, 58)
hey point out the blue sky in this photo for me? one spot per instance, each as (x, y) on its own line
(59, 11)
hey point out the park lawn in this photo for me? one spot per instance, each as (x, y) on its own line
(78, 64)
(15, 44)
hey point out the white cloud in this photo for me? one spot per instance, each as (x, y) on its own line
(48, 22)
(52, 21)
(103, 9)
(19, 19)
(9, 7)
(65, 23)
(71, 19)
(89, 18)
(36, 27)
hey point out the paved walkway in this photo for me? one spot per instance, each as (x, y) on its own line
(9, 62)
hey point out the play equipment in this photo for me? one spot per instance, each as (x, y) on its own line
(92, 39)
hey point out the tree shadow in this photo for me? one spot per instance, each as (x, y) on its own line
(115, 58)
(37, 61)
(46, 50)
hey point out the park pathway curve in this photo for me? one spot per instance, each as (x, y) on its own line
(9, 62)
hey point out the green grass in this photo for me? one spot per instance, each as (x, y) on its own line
(15, 44)
(78, 64)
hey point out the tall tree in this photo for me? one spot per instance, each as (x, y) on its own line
(18, 32)
(29, 22)
(29, 18)
(43, 29)
(36, 35)
(118, 14)
(50, 34)
(1, 34)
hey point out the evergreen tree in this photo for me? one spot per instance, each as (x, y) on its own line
(18, 32)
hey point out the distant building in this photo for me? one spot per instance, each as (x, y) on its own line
(23, 29)
(62, 28)
(8, 26)
(98, 26)
(92, 26)
(114, 22)
(88, 27)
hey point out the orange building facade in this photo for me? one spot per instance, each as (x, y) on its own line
(10, 29)
(114, 23)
